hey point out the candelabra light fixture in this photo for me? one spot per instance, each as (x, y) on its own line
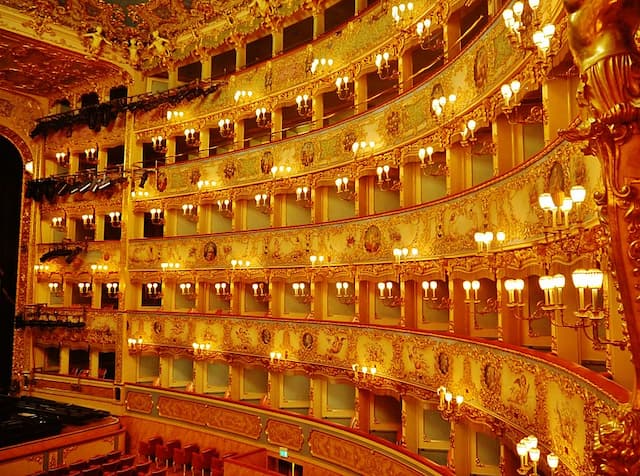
(557, 206)
(225, 207)
(159, 144)
(485, 239)
(387, 178)
(59, 223)
(85, 288)
(206, 184)
(91, 155)
(175, 115)
(157, 216)
(167, 266)
(401, 254)
(342, 184)
(41, 268)
(188, 290)
(467, 135)
(115, 219)
(428, 40)
(474, 304)
(509, 93)
(316, 260)
(201, 349)
(223, 291)
(112, 289)
(280, 171)
(63, 158)
(153, 290)
(364, 374)
(387, 295)
(385, 67)
(320, 65)
(263, 118)
(56, 288)
(438, 106)
(305, 105)
(278, 361)
(99, 268)
(192, 137)
(135, 345)
(344, 91)
(402, 15)
(529, 453)
(89, 221)
(302, 292)
(190, 212)
(240, 264)
(225, 128)
(261, 291)
(242, 96)
(429, 295)
(263, 202)
(428, 165)
(303, 196)
(363, 148)
(344, 294)
(448, 405)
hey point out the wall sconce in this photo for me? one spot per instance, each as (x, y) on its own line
(342, 184)
(63, 158)
(363, 148)
(159, 144)
(385, 68)
(206, 184)
(303, 195)
(558, 206)
(91, 155)
(438, 106)
(99, 268)
(190, 212)
(157, 216)
(192, 137)
(305, 105)
(278, 361)
(169, 266)
(238, 263)
(402, 15)
(222, 291)
(484, 239)
(432, 299)
(89, 221)
(387, 296)
(263, 118)
(364, 372)
(56, 288)
(321, 65)
(175, 115)
(316, 260)
(468, 133)
(242, 96)
(448, 406)
(385, 180)
(301, 291)
(473, 303)
(225, 127)
(280, 171)
(225, 207)
(41, 268)
(514, 288)
(261, 291)
(135, 345)
(589, 279)
(153, 290)
(345, 93)
(518, 30)
(428, 165)
(542, 40)
(343, 293)
(510, 96)
(400, 254)
(112, 290)
(529, 453)
(427, 40)
(85, 288)
(188, 290)
(201, 349)
(59, 223)
(115, 219)
(263, 202)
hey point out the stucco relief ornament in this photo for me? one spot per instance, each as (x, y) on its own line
(95, 39)
(603, 40)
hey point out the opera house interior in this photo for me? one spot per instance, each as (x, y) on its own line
(320, 237)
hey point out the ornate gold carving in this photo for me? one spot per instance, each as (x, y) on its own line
(139, 402)
(284, 434)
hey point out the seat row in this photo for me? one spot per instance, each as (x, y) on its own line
(188, 457)
(111, 464)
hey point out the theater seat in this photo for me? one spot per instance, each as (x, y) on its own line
(142, 469)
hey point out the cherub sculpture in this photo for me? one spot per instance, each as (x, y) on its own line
(96, 39)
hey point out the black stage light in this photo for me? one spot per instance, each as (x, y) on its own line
(143, 179)
(85, 186)
(63, 187)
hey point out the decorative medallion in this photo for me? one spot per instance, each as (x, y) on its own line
(266, 162)
(491, 377)
(443, 363)
(210, 251)
(265, 336)
(307, 154)
(307, 340)
(372, 239)
(481, 68)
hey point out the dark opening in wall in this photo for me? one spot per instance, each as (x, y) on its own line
(151, 229)
(79, 362)
(472, 21)
(292, 123)
(336, 110)
(254, 135)
(119, 92)
(339, 14)
(151, 158)
(89, 99)
(379, 90)
(223, 64)
(115, 156)
(190, 72)
(217, 143)
(259, 50)
(111, 233)
(425, 62)
(298, 34)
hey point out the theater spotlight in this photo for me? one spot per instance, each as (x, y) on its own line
(143, 179)
(85, 186)
(63, 187)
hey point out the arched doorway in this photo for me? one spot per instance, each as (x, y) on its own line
(11, 186)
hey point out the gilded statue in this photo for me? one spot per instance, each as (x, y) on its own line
(603, 39)
(96, 38)
(617, 448)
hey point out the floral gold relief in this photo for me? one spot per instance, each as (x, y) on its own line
(139, 402)
(284, 434)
